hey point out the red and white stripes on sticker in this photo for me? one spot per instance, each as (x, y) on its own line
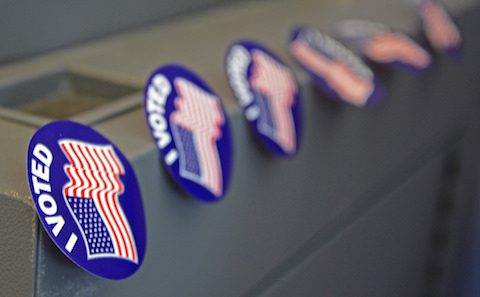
(201, 113)
(350, 86)
(277, 83)
(94, 172)
(389, 47)
(442, 33)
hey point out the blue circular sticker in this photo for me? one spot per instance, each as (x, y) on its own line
(335, 69)
(439, 27)
(268, 92)
(190, 128)
(87, 198)
(380, 44)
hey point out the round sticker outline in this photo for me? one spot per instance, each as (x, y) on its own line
(377, 92)
(250, 45)
(224, 144)
(107, 267)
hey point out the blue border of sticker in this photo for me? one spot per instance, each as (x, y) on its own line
(160, 95)
(377, 92)
(452, 52)
(239, 67)
(52, 207)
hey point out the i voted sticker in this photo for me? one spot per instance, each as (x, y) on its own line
(268, 92)
(382, 45)
(334, 68)
(87, 198)
(441, 31)
(191, 131)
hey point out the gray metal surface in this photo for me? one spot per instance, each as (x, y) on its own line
(32, 27)
(381, 254)
(63, 94)
(410, 242)
(18, 235)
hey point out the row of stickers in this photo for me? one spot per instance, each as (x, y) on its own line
(86, 193)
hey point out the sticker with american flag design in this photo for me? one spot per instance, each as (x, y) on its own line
(380, 44)
(438, 26)
(335, 69)
(190, 129)
(268, 92)
(87, 198)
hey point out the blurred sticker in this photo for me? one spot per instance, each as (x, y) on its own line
(87, 198)
(442, 33)
(380, 44)
(191, 131)
(334, 68)
(268, 92)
